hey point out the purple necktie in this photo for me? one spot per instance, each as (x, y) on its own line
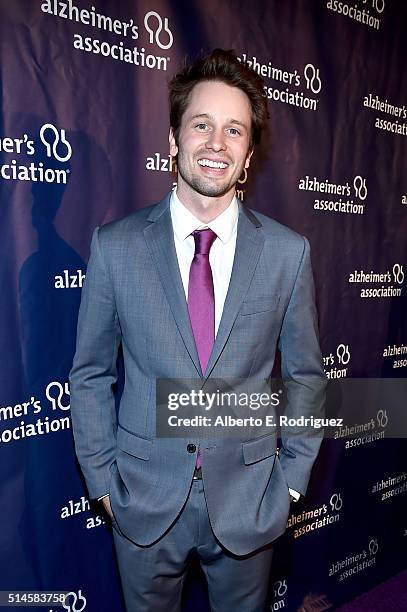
(201, 300)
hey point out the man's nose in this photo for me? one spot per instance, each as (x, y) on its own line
(216, 140)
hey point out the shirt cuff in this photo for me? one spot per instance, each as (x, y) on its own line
(294, 494)
(103, 496)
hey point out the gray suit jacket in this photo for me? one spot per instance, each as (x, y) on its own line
(133, 295)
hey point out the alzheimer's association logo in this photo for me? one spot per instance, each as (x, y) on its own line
(51, 137)
(153, 23)
(74, 602)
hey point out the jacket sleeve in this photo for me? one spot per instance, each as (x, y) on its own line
(303, 375)
(93, 374)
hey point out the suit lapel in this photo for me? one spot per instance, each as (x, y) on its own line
(249, 244)
(160, 240)
(159, 236)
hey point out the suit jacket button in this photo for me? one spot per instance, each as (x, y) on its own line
(191, 448)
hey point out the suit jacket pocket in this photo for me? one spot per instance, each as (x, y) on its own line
(133, 445)
(261, 304)
(259, 448)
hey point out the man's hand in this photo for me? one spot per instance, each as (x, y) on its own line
(106, 503)
(294, 495)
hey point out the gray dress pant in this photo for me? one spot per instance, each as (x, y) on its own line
(152, 576)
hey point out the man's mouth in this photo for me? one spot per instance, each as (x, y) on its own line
(211, 163)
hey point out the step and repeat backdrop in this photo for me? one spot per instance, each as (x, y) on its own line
(83, 141)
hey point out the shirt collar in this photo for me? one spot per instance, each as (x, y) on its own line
(184, 222)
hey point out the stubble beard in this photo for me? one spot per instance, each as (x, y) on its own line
(205, 187)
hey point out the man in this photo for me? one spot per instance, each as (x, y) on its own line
(196, 286)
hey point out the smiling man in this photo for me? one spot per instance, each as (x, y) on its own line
(213, 147)
(197, 285)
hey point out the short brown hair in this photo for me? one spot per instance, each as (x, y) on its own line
(219, 65)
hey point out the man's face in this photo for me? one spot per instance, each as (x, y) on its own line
(213, 144)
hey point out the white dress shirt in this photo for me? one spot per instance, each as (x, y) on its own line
(222, 251)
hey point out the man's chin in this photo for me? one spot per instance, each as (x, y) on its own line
(211, 191)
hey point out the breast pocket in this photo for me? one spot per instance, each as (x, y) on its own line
(260, 304)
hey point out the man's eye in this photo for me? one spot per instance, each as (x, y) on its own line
(234, 131)
(201, 126)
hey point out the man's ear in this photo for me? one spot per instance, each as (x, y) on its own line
(173, 144)
(248, 158)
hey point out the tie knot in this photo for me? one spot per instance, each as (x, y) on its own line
(203, 241)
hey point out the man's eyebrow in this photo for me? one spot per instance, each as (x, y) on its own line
(201, 115)
(211, 117)
(237, 122)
